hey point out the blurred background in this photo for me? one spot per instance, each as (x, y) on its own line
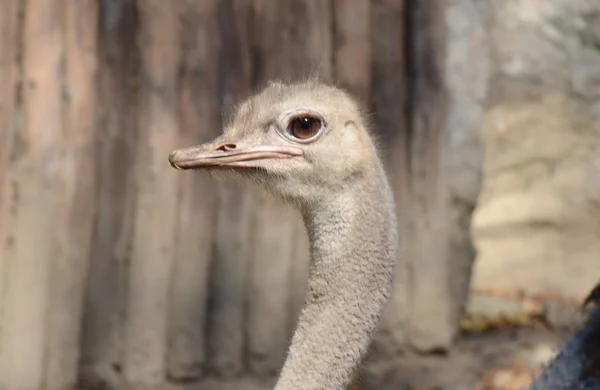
(118, 271)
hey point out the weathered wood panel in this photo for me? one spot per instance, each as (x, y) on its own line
(226, 332)
(68, 275)
(115, 140)
(304, 53)
(316, 42)
(311, 57)
(155, 216)
(10, 48)
(190, 276)
(352, 47)
(272, 227)
(389, 103)
(197, 198)
(411, 115)
(39, 180)
(430, 310)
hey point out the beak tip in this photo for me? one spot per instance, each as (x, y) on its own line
(173, 160)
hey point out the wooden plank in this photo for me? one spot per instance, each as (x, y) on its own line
(74, 225)
(317, 41)
(155, 219)
(115, 141)
(269, 285)
(272, 284)
(352, 47)
(10, 26)
(316, 54)
(272, 228)
(432, 325)
(227, 289)
(200, 121)
(389, 105)
(39, 177)
(226, 321)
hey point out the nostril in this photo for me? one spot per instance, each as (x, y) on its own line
(226, 147)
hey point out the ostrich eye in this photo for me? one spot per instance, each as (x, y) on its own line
(305, 127)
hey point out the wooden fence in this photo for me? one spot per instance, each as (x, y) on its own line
(115, 268)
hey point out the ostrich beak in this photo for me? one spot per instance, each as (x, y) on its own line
(226, 155)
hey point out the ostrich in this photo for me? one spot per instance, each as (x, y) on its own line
(308, 143)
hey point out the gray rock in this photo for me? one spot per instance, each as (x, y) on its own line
(536, 225)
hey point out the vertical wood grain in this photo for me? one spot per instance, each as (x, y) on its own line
(268, 285)
(39, 181)
(10, 51)
(187, 273)
(200, 122)
(277, 273)
(317, 40)
(155, 216)
(352, 47)
(77, 210)
(432, 323)
(389, 99)
(271, 227)
(228, 272)
(102, 337)
(308, 54)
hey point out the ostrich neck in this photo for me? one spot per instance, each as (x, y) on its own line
(353, 242)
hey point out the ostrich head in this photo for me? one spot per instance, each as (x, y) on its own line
(301, 142)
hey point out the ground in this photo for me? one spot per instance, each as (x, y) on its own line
(504, 342)
(502, 359)
(506, 338)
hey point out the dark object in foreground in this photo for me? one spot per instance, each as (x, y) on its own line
(577, 366)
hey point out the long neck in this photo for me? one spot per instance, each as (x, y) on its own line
(353, 245)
